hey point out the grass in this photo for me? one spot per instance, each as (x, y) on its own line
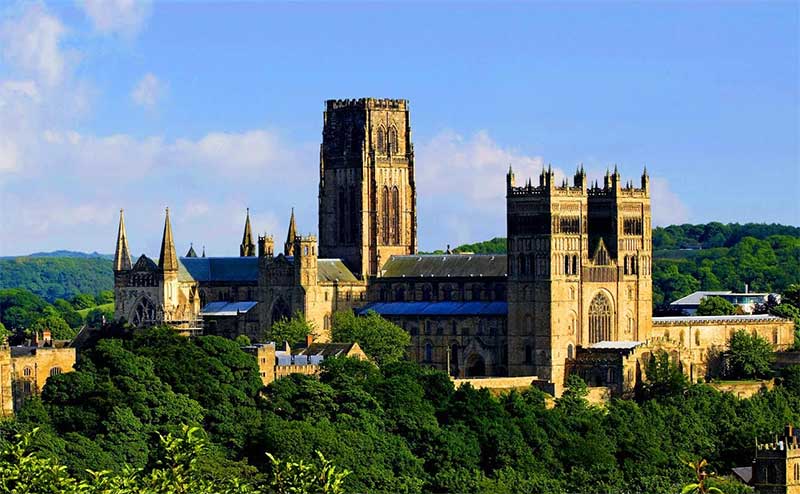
(105, 307)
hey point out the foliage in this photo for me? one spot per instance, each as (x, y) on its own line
(293, 330)
(97, 315)
(57, 277)
(242, 340)
(59, 329)
(663, 377)
(701, 485)
(749, 356)
(715, 306)
(288, 477)
(381, 340)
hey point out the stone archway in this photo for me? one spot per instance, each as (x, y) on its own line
(144, 312)
(476, 365)
(280, 310)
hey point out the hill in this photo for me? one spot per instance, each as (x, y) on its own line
(58, 277)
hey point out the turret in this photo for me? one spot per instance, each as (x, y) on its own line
(122, 254)
(168, 259)
(290, 236)
(510, 182)
(305, 260)
(247, 247)
(266, 246)
(645, 180)
(580, 178)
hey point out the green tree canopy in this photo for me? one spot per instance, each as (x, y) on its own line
(381, 340)
(293, 330)
(715, 306)
(749, 355)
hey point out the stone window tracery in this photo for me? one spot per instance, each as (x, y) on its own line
(381, 140)
(144, 313)
(599, 319)
(385, 216)
(393, 144)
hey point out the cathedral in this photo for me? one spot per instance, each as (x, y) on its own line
(573, 294)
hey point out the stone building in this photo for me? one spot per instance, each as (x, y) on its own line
(776, 468)
(24, 369)
(573, 293)
(276, 363)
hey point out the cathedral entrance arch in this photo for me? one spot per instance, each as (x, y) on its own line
(144, 312)
(280, 310)
(476, 365)
(600, 319)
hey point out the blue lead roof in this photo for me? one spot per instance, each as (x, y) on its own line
(437, 308)
(212, 269)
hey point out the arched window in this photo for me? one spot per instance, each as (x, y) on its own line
(428, 352)
(55, 371)
(697, 337)
(570, 351)
(381, 138)
(626, 269)
(599, 319)
(144, 313)
(26, 372)
(395, 216)
(566, 265)
(385, 215)
(341, 211)
(393, 145)
(575, 264)
(454, 359)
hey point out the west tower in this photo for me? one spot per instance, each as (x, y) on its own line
(367, 196)
(578, 269)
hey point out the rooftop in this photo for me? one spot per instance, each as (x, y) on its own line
(226, 308)
(616, 345)
(696, 297)
(221, 269)
(444, 266)
(713, 319)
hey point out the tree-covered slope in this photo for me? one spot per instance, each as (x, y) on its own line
(57, 277)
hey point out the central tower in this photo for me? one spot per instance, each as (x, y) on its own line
(367, 197)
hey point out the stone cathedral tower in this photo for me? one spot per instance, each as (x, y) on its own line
(367, 197)
(578, 269)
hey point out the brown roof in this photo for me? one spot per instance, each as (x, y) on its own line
(449, 265)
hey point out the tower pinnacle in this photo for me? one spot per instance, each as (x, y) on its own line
(248, 247)
(122, 255)
(289, 245)
(168, 259)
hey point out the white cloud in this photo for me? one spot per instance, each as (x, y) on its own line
(148, 91)
(32, 43)
(125, 17)
(9, 156)
(667, 207)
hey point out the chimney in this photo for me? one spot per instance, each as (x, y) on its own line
(47, 339)
(309, 340)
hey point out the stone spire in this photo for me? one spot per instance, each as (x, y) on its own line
(204, 251)
(290, 235)
(122, 256)
(191, 252)
(168, 259)
(247, 248)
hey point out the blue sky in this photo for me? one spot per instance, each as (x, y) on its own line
(211, 108)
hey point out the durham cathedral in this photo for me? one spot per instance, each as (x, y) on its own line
(572, 295)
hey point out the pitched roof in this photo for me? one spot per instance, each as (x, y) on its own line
(226, 308)
(452, 265)
(717, 319)
(144, 263)
(333, 270)
(224, 269)
(473, 308)
(696, 297)
(325, 349)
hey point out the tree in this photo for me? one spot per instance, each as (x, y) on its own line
(663, 377)
(293, 331)
(242, 340)
(59, 329)
(83, 301)
(380, 339)
(4, 333)
(715, 306)
(97, 316)
(749, 356)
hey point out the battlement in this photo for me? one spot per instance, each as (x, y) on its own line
(367, 103)
(530, 190)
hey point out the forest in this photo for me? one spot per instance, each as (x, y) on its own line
(400, 428)
(57, 277)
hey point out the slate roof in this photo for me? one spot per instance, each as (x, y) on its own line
(333, 270)
(450, 265)
(226, 308)
(473, 308)
(325, 349)
(219, 269)
(696, 297)
(616, 345)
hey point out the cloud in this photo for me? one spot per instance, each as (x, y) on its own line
(148, 91)
(667, 207)
(32, 43)
(125, 17)
(461, 186)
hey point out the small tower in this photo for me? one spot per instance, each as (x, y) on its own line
(305, 260)
(247, 247)
(191, 252)
(266, 246)
(290, 236)
(122, 254)
(168, 259)
(776, 468)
